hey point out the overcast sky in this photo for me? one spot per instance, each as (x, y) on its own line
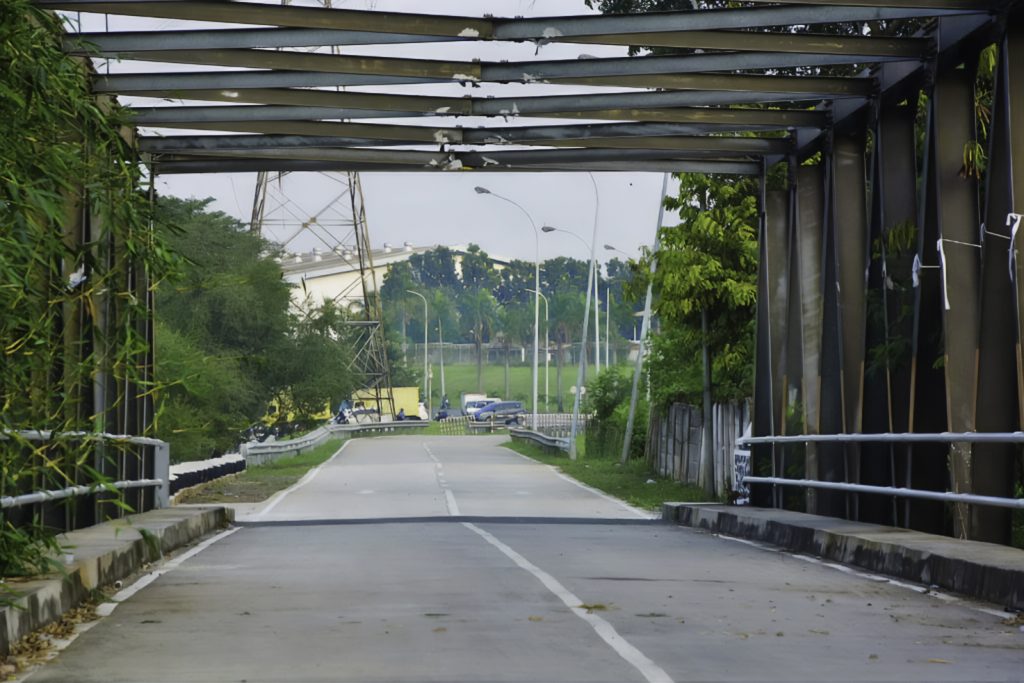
(442, 208)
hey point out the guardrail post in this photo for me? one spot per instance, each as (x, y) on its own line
(162, 471)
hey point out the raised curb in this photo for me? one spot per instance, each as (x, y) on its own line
(101, 555)
(990, 572)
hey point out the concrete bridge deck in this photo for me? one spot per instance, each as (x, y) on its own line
(366, 572)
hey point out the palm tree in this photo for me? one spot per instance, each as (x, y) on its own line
(566, 320)
(516, 325)
(478, 312)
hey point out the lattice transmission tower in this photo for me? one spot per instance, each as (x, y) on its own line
(281, 213)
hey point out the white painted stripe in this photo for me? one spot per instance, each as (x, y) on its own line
(453, 507)
(647, 668)
(645, 514)
(299, 484)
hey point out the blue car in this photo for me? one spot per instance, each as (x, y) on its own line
(507, 411)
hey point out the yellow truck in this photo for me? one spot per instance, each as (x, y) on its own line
(406, 399)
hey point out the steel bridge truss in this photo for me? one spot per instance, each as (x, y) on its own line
(890, 293)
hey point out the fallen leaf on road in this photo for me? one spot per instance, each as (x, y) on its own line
(535, 618)
(939, 661)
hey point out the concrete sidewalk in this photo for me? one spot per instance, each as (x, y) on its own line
(993, 573)
(97, 557)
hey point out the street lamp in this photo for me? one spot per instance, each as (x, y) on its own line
(547, 349)
(536, 298)
(426, 346)
(591, 283)
(609, 247)
(608, 309)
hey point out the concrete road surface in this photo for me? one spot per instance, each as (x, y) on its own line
(453, 559)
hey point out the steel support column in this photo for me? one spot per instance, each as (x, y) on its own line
(776, 271)
(956, 204)
(849, 225)
(763, 418)
(809, 215)
(998, 403)
(830, 457)
(926, 467)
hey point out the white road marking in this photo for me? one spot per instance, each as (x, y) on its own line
(453, 507)
(449, 497)
(300, 483)
(601, 494)
(647, 668)
(877, 578)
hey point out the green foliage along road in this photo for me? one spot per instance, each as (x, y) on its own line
(228, 341)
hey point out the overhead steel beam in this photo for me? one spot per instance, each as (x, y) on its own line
(118, 43)
(504, 72)
(899, 80)
(714, 19)
(112, 44)
(540, 29)
(454, 160)
(415, 134)
(252, 165)
(466, 106)
(571, 138)
(180, 83)
(179, 117)
(808, 43)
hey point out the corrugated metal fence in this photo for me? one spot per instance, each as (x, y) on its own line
(675, 438)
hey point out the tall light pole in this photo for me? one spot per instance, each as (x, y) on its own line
(644, 327)
(608, 311)
(547, 346)
(426, 346)
(536, 298)
(591, 282)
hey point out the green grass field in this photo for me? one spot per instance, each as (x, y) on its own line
(460, 379)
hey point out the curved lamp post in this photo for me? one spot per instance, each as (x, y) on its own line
(592, 282)
(536, 298)
(547, 347)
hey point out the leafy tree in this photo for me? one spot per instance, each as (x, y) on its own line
(397, 304)
(228, 340)
(566, 325)
(566, 274)
(514, 281)
(516, 325)
(435, 269)
(477, 271)
(706, 281)
(312, 363)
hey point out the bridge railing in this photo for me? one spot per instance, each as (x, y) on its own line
(106, 476)
(262, 453)
(552, 444)
(895, 492)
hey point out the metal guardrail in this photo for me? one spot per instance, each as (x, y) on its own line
(261, 453)
(892, 491)
(149, 464)
(539, 438)
(72, 491)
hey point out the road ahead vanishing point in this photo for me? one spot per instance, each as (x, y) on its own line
(454, 559)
